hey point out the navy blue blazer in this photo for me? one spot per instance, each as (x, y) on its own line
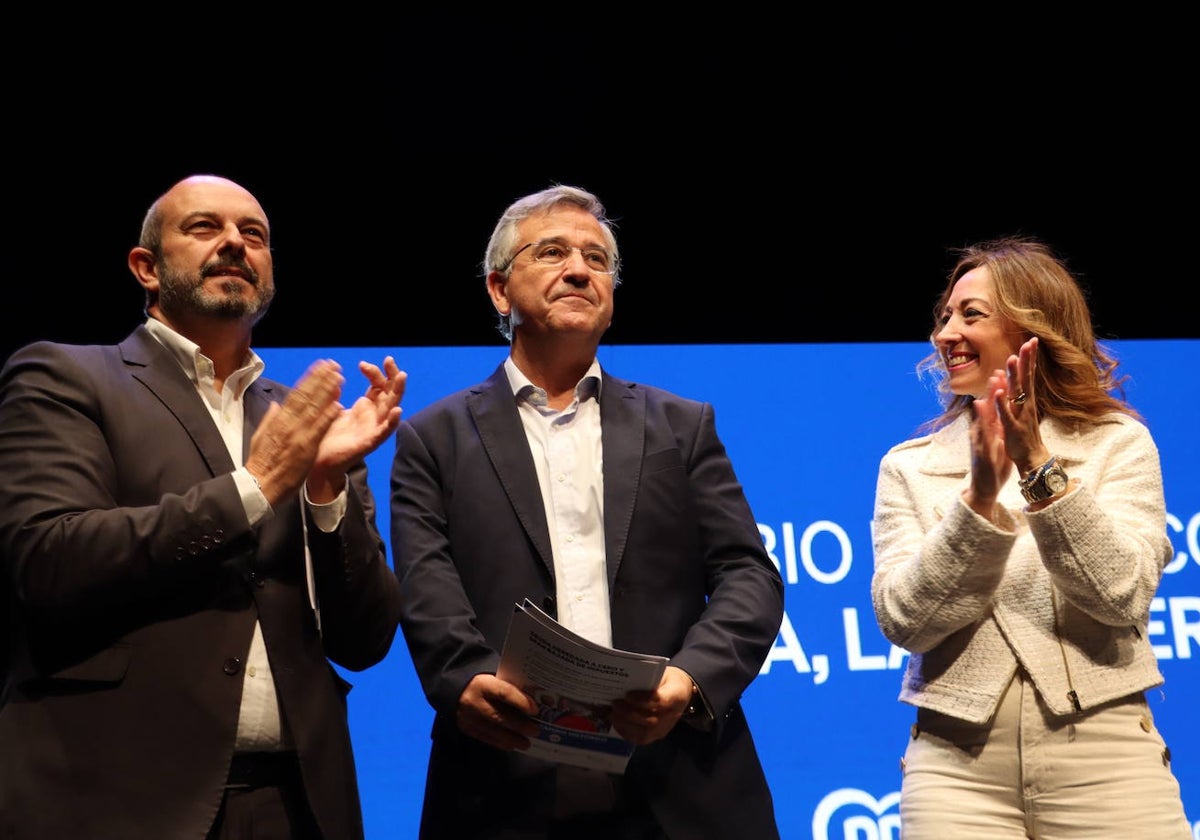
(132, 582)
(688, 576)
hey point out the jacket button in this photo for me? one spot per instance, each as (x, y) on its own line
(232, 665)
(1146, 724)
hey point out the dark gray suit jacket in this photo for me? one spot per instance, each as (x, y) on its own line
(132, 581)
(688, 577)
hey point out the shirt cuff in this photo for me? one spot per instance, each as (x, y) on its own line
(256, 504)
(328, 516)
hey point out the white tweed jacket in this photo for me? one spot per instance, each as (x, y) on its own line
(1064, 592)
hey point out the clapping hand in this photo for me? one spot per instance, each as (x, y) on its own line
(284, 447)
(1005, 431)
(359, 429)
(1015, 403)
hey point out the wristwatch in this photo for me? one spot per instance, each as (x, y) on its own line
(1046, 481)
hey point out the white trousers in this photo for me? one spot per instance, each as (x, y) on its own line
(1104, 774)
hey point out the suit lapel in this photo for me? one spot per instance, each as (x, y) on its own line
(152, 364)
(493, 408)
(623, 442)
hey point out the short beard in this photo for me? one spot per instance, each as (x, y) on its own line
(180, 294)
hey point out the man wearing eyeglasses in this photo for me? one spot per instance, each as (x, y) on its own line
(613, 506)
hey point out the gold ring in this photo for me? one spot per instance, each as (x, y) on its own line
(1019, 399)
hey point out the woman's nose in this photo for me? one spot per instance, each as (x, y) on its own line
(947, 334)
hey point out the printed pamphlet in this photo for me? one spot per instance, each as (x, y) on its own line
(574, 682)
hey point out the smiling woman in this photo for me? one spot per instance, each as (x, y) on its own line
(1033, 511)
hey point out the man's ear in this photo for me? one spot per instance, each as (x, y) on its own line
(497, 286)
(144, 267)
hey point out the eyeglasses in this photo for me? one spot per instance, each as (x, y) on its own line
(552, 254)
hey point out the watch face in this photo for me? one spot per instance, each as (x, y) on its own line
(1056, 482)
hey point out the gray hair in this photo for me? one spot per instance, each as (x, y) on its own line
(502, 245)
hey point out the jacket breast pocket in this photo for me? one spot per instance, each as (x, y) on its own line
(104, 668)
(108, 665)
(666, 459)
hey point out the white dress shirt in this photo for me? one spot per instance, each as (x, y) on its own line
(568, 456)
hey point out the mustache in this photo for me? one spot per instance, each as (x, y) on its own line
(219, 266)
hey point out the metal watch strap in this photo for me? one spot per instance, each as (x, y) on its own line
(1034, 487)
(1036, 476)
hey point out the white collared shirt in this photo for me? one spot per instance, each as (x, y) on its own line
(259, 721)
(568, 456)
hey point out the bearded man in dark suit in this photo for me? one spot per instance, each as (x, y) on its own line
(187, 548)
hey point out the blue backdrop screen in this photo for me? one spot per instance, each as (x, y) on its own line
(805, 426)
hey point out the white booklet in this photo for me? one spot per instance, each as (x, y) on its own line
(574, 682)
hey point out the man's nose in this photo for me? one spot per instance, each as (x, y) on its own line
(576, 271)
(232, 238)
(577, 267)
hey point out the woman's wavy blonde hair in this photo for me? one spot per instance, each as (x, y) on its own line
(1033, 290)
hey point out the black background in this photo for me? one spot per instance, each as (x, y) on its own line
(777, 179)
